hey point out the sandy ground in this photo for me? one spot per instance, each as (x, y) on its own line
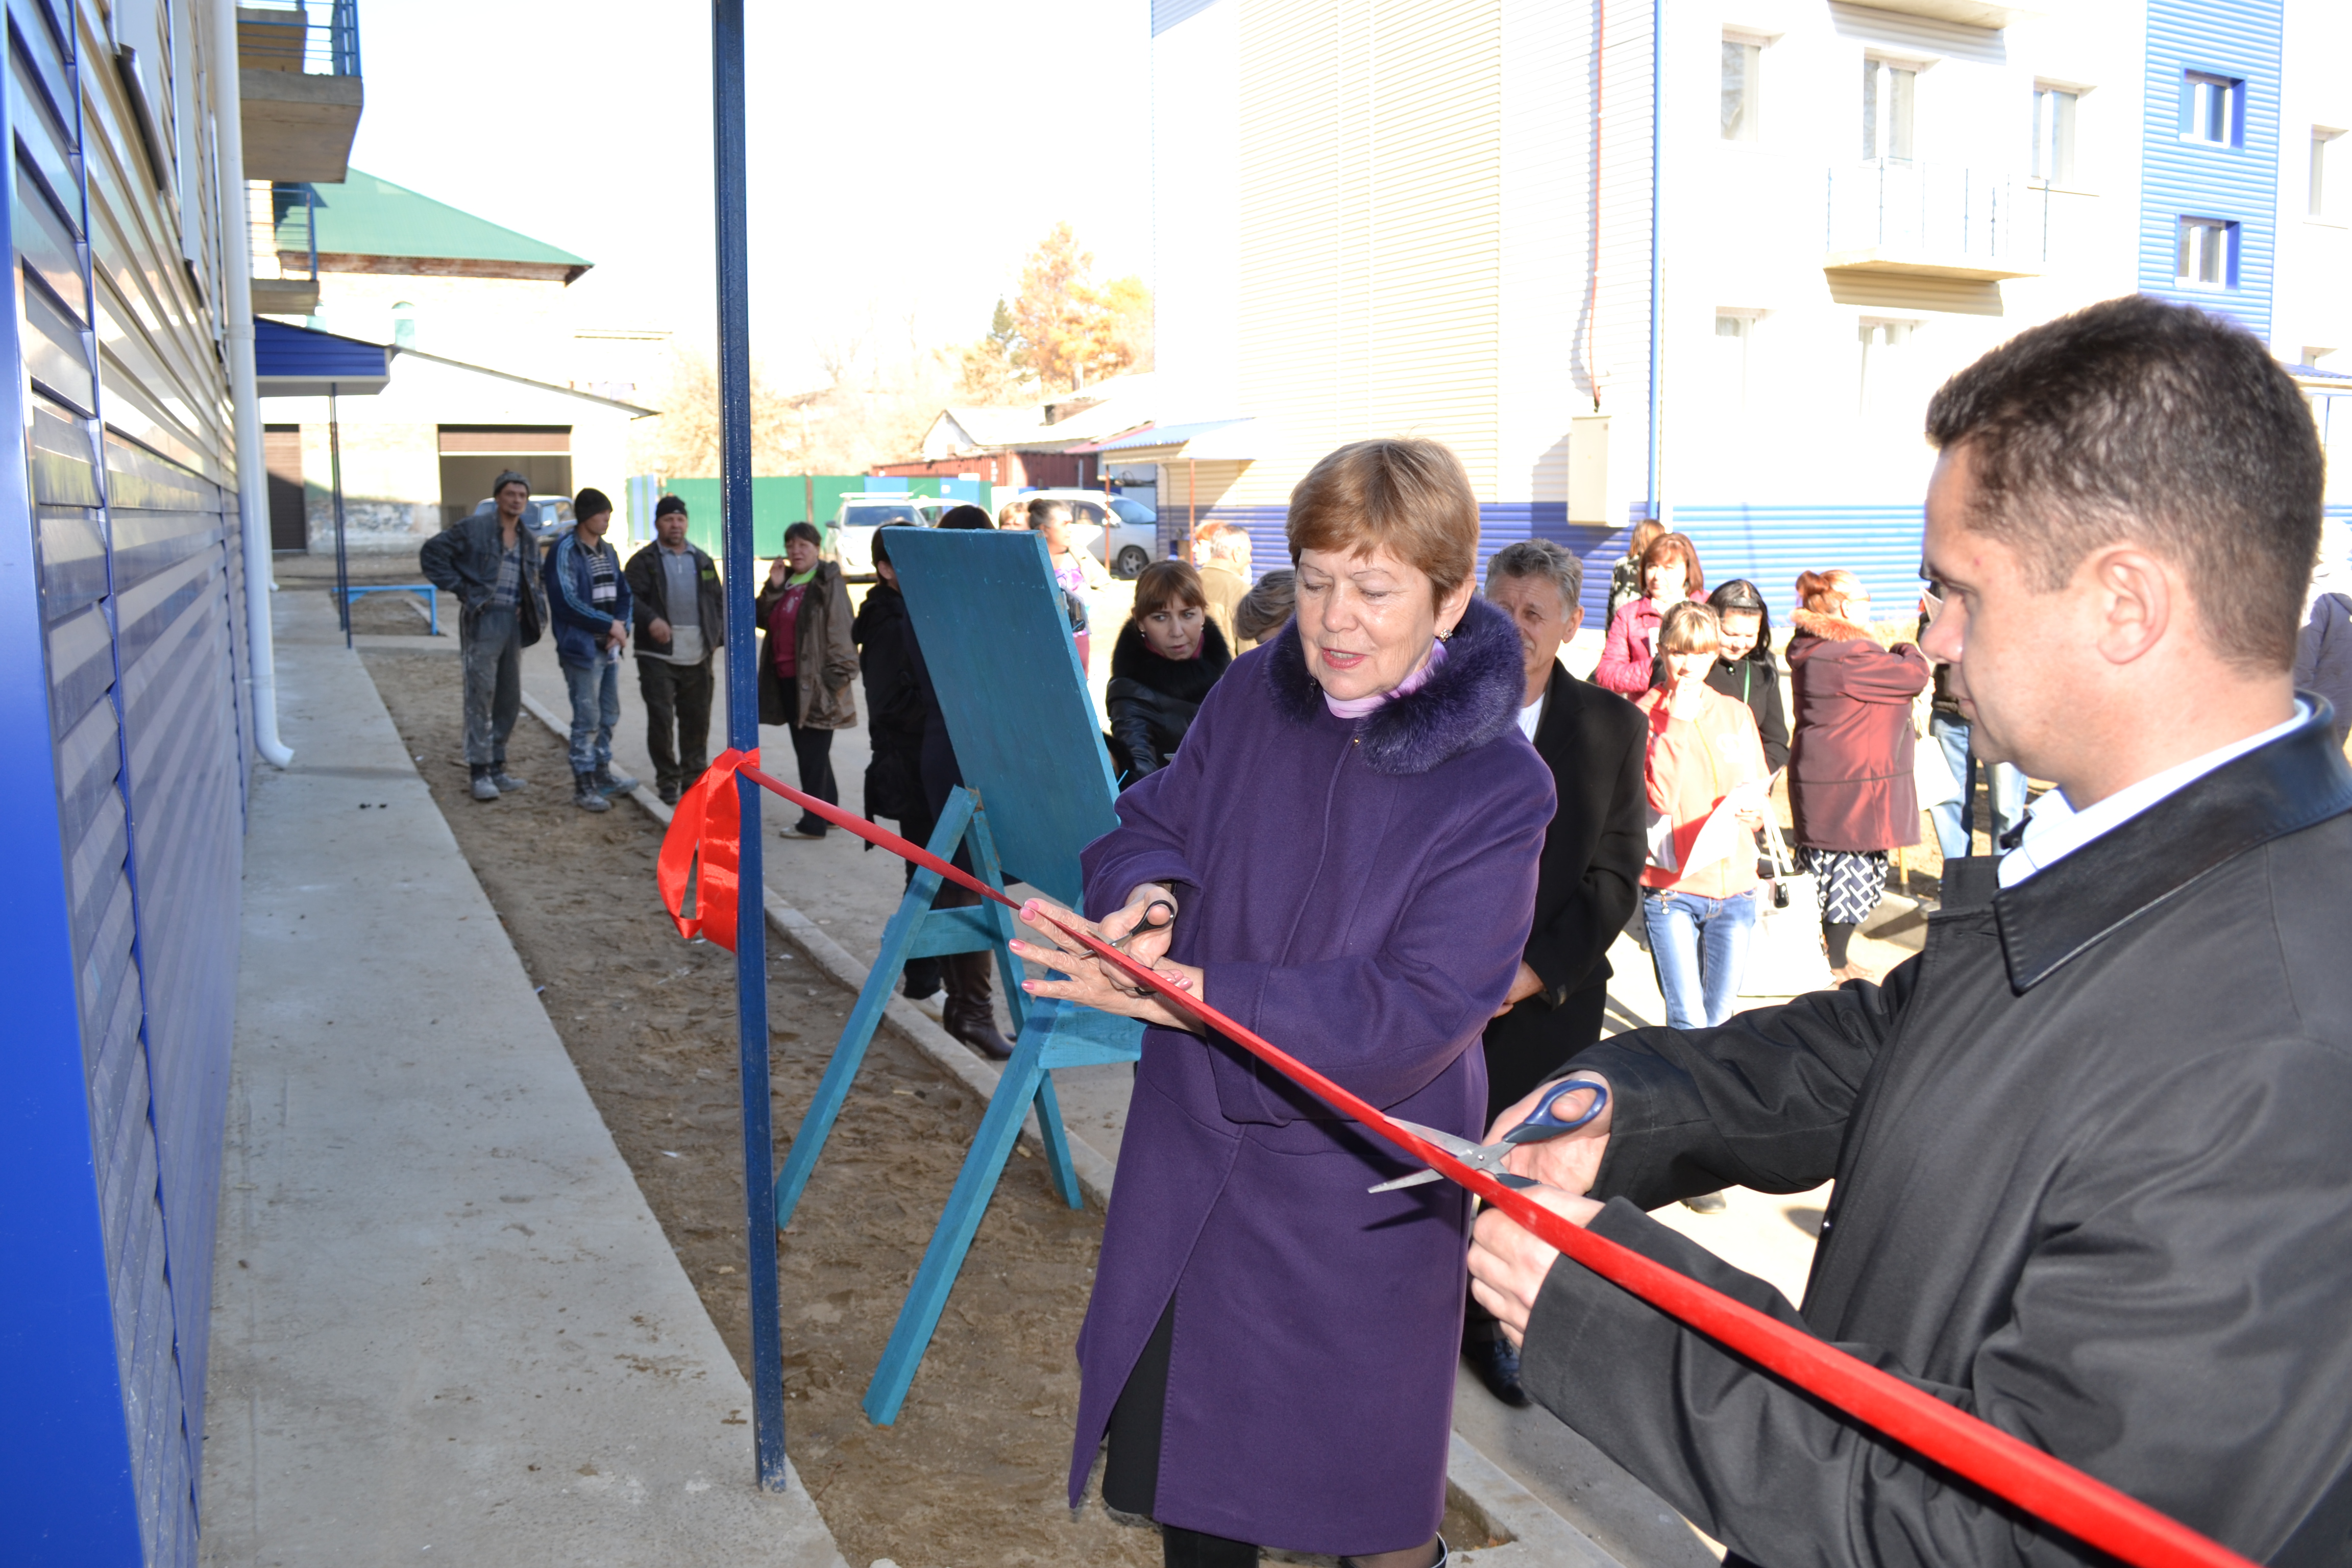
(973, 1472)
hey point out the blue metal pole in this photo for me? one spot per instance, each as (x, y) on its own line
(743, 730)
(1657, 262)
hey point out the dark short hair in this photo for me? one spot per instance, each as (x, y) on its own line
(591, 502)
(807, 531)
(1043, 507)
(1741, 598)
(1539, 558)
(2141, 420)
(881, 543)
(667, 505)
(1165, 585)
(966, 516)
(1265, 609)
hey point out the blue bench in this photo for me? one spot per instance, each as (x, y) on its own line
(432, 597)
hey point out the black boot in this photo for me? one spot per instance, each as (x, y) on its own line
(1193, 1548)
(586, 795)
(970, 1014)
(1497, 1366)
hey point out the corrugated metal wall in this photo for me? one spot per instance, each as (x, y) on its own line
(1371, 214)
(135, 541)
(2181, 178)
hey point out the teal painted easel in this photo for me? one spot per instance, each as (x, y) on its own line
(999, 650)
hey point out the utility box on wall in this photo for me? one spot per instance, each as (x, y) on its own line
(1589, 498)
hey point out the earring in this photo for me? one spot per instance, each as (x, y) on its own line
(1446, 636)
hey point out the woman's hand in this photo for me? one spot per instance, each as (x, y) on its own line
(778, 570)
(1571, 1161)
(1096, 984)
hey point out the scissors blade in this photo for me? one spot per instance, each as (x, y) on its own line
(1488, 1157)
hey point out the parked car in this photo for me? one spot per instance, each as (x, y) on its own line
(852, 539)
(543, 516)
(1123, 534)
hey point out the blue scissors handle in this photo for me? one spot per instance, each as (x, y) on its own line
(1544, 1123)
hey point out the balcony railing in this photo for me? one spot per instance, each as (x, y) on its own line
(1897, 215)
(312, 38)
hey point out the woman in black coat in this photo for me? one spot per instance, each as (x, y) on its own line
(1744, 666)
(1168, 655)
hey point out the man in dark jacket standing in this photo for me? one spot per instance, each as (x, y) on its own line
(492, 563)
(681, 620)
(2089, 1146)
(1590, 876)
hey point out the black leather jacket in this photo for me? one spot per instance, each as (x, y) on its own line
(1152, 701)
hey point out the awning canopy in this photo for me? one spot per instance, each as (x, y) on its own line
(1227, 440)
(296, 361)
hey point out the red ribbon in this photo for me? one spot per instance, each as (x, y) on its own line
(2087, 1508)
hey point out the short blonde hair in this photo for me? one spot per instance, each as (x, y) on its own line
(1409, 495)
(1689, 627)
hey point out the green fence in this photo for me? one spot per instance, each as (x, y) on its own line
(781, 500)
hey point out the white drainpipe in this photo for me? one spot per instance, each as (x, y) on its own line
(236, 288)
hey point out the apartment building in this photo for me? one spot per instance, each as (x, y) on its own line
(1720, 292)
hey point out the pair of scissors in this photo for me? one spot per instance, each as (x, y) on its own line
(1542, 1125)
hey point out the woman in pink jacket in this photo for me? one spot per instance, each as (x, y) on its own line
(1670, 571)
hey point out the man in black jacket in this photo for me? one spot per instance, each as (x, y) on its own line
(681, 615)
(1588, 879)
(2089, 1146)
(491, 562)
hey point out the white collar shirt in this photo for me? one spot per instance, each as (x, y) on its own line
(2055, 830)
(1530, 717)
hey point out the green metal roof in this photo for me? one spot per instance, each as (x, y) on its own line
(365, 216)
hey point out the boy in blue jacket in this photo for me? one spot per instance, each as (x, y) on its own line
(588, 599)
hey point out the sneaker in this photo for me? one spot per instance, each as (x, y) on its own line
(508, 783)
(669, 794)
(1497, 1366)
(1706, 1203)
(802, 830)
(586, 795)
(484, 787)
(612, 782)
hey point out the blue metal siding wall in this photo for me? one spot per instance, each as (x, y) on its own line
(128, 540)
(2237, 38)
(1768, 545)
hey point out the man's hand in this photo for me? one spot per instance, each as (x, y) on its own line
(657, 629)
(1507, 1263)
(615, 634)
(1523, 984)
(1571, 1161)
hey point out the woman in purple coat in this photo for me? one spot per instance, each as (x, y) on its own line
(1348, 839)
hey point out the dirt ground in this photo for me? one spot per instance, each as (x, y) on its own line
(972, 1473)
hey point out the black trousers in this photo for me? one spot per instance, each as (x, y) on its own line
(678, 719)
(812, 750)
(1131, 1473)
(1525, 1047)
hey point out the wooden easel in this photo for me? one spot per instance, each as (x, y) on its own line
(999, 649)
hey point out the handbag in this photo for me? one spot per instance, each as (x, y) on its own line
(1784, 953)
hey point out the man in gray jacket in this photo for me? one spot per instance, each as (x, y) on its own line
(490, 562)
(2094, 1184)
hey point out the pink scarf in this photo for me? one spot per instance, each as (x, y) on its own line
(1357, 706)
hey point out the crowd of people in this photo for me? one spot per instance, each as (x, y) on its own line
(2086, 1147)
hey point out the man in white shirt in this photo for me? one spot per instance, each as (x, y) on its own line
(2092, 1183)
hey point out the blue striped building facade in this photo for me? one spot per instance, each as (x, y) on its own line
(122, 809)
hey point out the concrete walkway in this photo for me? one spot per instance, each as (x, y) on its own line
(447, 1328)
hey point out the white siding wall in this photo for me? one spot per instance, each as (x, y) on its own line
(1370, 223)
(1195, 175)
(2311, 306)
(1547, 233)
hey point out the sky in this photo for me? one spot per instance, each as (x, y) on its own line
(904, 157)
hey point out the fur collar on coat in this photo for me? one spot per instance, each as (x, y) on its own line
(1187, 680)
(1829, 628)
(1472, 698)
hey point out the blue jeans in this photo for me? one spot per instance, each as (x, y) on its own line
(595, 708)
(2004, 786)
(1700, 946)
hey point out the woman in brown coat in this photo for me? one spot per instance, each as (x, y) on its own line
(808, 665)
(1850, 784)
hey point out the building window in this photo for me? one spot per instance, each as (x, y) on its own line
(1742, 68)
(2324, 202)
(2054, 135)
(2212, 109)
(2209, 254)
(1887, 90)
